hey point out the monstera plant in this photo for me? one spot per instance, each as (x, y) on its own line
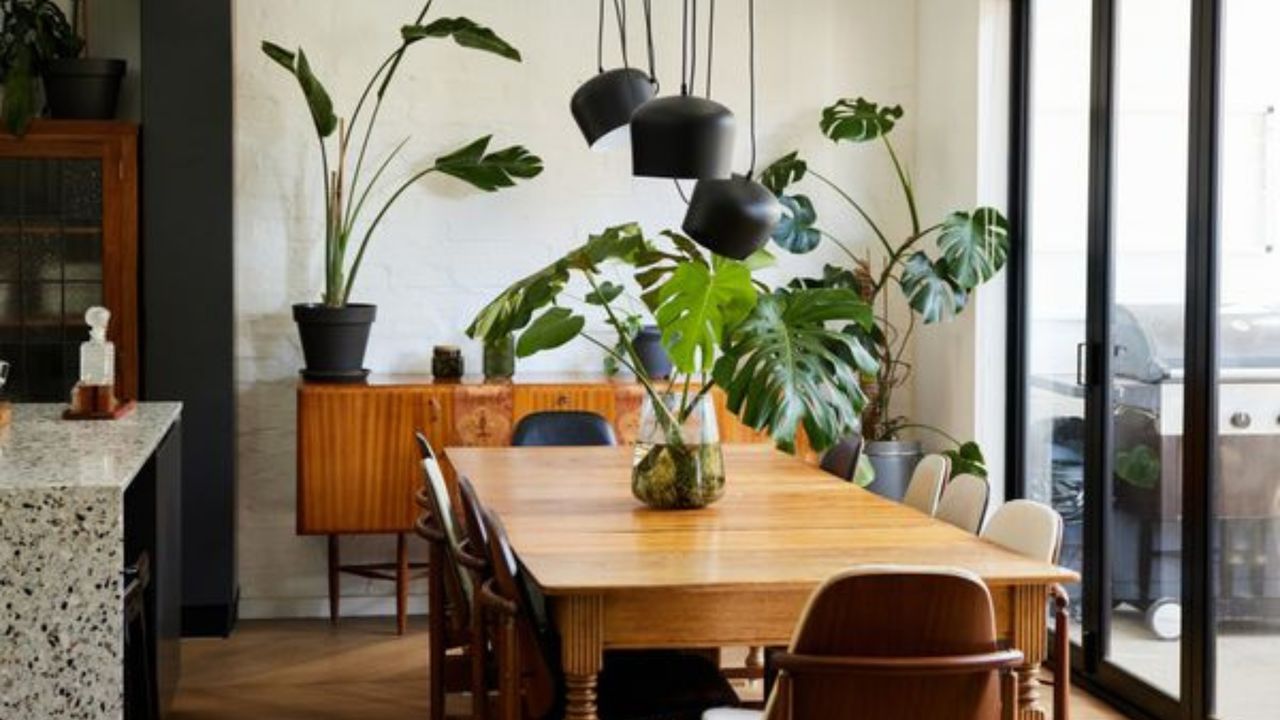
(786, 357)
(335, 331)
(935, 268)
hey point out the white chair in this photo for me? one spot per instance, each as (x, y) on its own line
(927, 482)
(964, 502)
(1034, 530)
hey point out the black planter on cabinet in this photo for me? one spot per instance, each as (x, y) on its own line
(334, 340)
(83, 88)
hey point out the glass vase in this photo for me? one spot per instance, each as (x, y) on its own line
(500, 358)
(677, 463)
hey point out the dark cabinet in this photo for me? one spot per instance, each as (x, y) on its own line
(68, 241)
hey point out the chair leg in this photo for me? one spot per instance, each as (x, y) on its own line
(1008, 695)
(335, 591)
(402, 583)
(509, 671)
(1061, 654)
(435, 623)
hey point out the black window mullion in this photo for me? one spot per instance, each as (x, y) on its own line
(1020, 249)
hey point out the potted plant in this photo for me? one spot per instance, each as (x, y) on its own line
(771, 350)
(34, 34)
(335, 331)
(971, 247)
(80, 87)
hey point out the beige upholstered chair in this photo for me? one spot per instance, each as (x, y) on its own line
(964, 502)
(1034, 530)
(927, 482)
(921, 644)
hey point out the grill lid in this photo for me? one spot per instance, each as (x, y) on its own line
(1150, 342)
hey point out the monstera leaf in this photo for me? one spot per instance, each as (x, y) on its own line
(464, 32)
(551, 329)
(782, 369)
(967, 459)
(318, 101)
(858, 120)
(489, 172)
(782, 172)
(795, 232)
(974, 245)
(696, 306)
(930, 289)
(512, 310)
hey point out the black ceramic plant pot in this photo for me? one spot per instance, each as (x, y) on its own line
(334, 340)
(653, 357)
(83, 88)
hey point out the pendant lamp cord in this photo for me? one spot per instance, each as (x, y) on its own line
(751, 71)
(620, 12)
(648, 31)
(684, 47)
(693, 48)
(600, 39)
(711, 43)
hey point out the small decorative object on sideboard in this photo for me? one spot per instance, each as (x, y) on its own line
(94, 397)
(6, 410)
(446, 362)
(500, 358)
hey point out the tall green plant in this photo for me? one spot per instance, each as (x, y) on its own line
(970, 247)
(33, 33)
(345, 195)
(772, 351)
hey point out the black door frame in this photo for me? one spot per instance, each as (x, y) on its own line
(1090, 665)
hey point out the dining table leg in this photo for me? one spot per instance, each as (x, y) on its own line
(581, 622)
(1030, 635)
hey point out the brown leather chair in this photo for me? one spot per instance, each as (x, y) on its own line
(633, 685)
(842, 459)
(895, 642)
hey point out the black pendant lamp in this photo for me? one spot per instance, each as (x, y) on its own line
(603, 105)
(734, 216)
(682, 136)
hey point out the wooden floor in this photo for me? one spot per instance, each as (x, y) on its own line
(306, 670)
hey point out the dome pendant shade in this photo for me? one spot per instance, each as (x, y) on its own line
(732, 217)
(606, 102)
(682, 136)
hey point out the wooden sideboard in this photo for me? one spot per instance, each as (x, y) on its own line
(358, 465)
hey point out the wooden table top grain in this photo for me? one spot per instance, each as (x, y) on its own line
(781, 523)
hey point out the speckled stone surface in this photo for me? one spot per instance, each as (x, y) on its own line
(61, 544)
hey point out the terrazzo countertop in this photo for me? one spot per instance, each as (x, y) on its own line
(41, 450)
(62, 498)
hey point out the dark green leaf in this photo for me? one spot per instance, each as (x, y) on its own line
(698, 305)
(620, 242)
(975, 246)
(551, 329)
(284, 58)
(795, 232)
(1139, 466)
(317, 98)
(783, 172)
(781, 368)
(930, 289)
(967, 459)
(19, 93)
(489, 172)
(464, 32)
(858, 120)
(607, 293)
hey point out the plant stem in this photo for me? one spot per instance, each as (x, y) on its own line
(840, 244)
(906, 185)
(329, 239)
(930, 428)
(364, 244)
(897, 255)
(373, 181)
(884, 240)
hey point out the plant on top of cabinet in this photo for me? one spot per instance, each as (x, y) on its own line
(781, 366)
(33, 35)
(971, 248)
(335, 331)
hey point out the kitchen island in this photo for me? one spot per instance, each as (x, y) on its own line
(80, 502)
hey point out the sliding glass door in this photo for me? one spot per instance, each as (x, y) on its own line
(1146, 317)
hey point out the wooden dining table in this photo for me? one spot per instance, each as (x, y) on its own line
(738, 573)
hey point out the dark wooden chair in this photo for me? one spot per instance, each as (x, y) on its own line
(633, 685)
(895, 642)
(842, 459)
(563, 428)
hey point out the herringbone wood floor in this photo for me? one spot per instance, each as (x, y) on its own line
(306, 670)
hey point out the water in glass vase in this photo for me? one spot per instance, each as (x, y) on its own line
(678, 463)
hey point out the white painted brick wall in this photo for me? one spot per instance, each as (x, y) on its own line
(446, 249)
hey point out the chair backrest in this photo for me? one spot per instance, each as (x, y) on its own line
(927, 481)
(439, 524)
(563, 428)
(538, 652)
(842, 459)
(964, 502)
(1028, 528)
(895, 642)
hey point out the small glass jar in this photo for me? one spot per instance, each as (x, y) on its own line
(500, 358)
(446, 362)
(678, 463)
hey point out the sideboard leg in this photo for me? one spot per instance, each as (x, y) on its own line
(402, 583)
(335, 587)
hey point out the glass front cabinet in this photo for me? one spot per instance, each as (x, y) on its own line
(68, 241)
